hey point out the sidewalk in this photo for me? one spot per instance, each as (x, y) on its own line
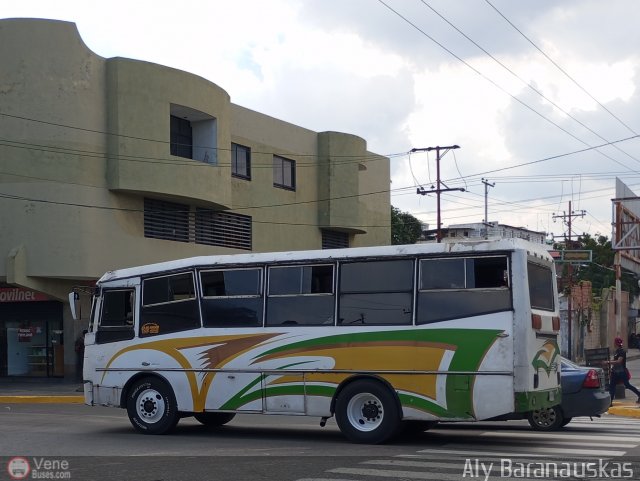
(40, 391)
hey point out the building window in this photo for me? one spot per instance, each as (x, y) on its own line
(332, 239)
(224, 229)
(166, 220)
(241, 161)
(284, 173)
(193, 134)
(181, 135)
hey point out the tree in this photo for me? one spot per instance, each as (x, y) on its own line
(405, 228)
(601, 270)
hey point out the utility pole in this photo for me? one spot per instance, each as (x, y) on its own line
(569, 218)
(438, 190)
(486, 204)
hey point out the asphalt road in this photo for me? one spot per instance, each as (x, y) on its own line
(99, 443)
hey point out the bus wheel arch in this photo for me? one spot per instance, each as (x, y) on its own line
(214, 419)
(367, 410)
(151, 405)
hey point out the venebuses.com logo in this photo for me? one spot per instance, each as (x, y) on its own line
(20, 467)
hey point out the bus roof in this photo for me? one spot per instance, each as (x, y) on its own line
(537, 250)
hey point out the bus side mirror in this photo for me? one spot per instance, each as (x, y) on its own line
(73, 304)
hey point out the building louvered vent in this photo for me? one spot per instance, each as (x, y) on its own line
(166, 220)
(183, 223)
(334, 240)
(224, 229)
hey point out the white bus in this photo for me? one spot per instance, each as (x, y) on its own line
(379, 337)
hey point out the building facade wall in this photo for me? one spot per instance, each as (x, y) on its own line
(88, 140)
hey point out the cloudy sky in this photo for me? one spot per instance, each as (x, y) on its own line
(527, 89)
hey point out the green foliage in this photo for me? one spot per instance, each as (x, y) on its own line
(601, 271)
(405, 228)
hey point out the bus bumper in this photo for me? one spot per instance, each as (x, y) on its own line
(528, 401)
(88, 393)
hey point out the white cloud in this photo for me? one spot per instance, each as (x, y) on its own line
(357, 67)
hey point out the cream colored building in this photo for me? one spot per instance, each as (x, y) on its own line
(109, 163)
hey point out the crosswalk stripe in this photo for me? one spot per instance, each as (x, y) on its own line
(622, 423)
(454, 464)
(552, 436)
(537, 452)
(325, 479)
(555, 451)
(388, 473)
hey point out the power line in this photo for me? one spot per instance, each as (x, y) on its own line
(560, 68)
(187, 162)
(354, 158)
(495, 84)
(531, 87)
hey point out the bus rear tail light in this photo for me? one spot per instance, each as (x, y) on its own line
(536, 321)
(592, 379)
(555, 323)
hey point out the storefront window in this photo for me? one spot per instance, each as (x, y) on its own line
(31, 340)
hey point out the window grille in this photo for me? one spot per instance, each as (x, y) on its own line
(183, 223)
(224, 229)
(334, 240)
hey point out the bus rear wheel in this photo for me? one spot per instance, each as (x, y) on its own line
(367, 412)
(214, 419)
(152, 407)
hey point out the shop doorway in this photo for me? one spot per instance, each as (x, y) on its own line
(33, 348)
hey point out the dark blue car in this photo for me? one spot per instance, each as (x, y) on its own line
(584, 393)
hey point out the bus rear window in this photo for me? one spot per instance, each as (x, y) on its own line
(540, 286)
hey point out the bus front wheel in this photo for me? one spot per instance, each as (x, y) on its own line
(152, 406)
(367, 412)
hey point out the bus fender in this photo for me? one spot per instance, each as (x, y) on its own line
(127, 387)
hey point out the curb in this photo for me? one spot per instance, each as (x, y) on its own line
(42, 399)
(626, 410)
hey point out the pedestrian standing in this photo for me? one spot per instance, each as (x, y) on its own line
(619, 370)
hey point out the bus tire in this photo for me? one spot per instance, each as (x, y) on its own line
(152, 406)
(546, 419)
(214, 419)
(367, 412)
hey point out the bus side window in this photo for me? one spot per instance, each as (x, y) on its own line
(169, 304)
(540, 287)
(480, 286)
(376, 292)
(116, 317)
(232, 297)
(301, 295)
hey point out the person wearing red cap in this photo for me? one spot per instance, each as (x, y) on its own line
(619, 371)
